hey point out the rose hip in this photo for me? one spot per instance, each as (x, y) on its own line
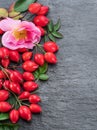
(41, 20)
(14, 56)
(2, 75)
(4, 52)
(1, 83)
(26, 56)
(5, 106)
(39, 59)
(50, 57)
(15, 87)
(30, 66)
(43, 10)
(30, 86)
(50, 46)
(34, 8)
(24, 95)
(34, 99)
(28, 76)
(5, 62)
(4, 94)
(6, 84)
(16, 76)
(25, 113)
(43, 32)
(22, 50)
(35, 108)
(14, 116)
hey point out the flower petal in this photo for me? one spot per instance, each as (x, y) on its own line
(8, 24)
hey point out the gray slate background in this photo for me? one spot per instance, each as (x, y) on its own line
(69, 98)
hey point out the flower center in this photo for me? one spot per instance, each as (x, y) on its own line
(20, 34)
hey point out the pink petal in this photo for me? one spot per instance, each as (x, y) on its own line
(9, 24)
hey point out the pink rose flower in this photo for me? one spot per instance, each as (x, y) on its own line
(19, 34)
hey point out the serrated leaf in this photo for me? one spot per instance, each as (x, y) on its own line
(57, 35)
(50, 26)
(22, 5)
(36, 74)
(3, 12)
(4, 116)
(52, 38)
(43, 77)
(8, 126)
(57, 25)
(43, 69)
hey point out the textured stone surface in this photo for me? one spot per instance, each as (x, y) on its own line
(69, 98)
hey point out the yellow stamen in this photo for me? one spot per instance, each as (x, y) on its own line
(20, 34)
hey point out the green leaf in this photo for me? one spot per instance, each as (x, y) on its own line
(22, 5)
(43, 69)
(57, 35)
(43, 77)
(45, 38)
(36, 74)
(57, 25)
(8, 126)
(52, 38)
(4, 116)
(50, 26)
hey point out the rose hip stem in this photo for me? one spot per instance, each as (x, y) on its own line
(39, 46)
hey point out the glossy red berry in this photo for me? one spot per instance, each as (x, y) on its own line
(6, 84)
(43, 10)
(41, 20)
(28, 76)
(39, 59)
(1, 83)
(14, 116)
(16, 76)
(30, 86)
(24, 95)
(14, 56)
(15, 87)
(30, 66)
(50, 46)
(50, 57)
(5, 62)
(4, 94)
(2, 75)
(43, 32)
(34, 8)
(25, 113)
(34, 98)
(26, 56)
(35, 108)
(5, 106)
(4, 52)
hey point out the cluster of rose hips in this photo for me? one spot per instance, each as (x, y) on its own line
(22, 85)
(40, 19)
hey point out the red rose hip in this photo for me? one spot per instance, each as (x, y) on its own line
(5, 106)
(25, 113)
(39, 59)
(34, 98)
(50, 57)
(14, 116)
(41, 20)
(34, 8)
(30, 86)
(35, 108)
